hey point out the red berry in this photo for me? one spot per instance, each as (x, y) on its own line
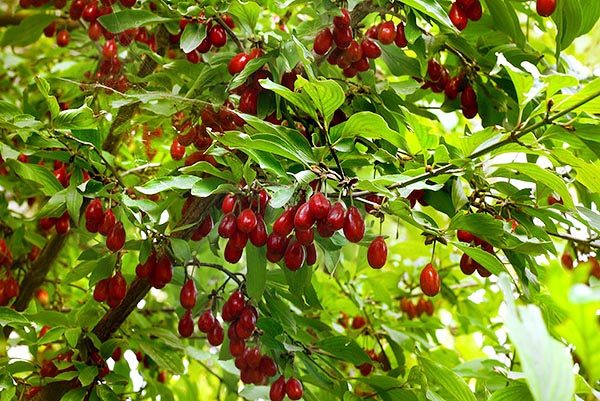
(63, 38)
(276, 247)
(430, 281)
(116, 237)
(267, 366)
(482, 271)
(366, 369)
(228, 203)
(475, 12)
(203, 229)
(545, 8)
(386, 32)
(127, 3)
(458, 16)
(246, 221)
(94, 215)
(319, 206)
(567, 261)
(108, 222)
(237, 63)
(249, 101)
(370, 49)
(285, 223)
(358, 322)
(215, 336)
(116, 354)
(188, 294)
(117, 287)
(258, 237)
(293, 389)
(232, 254)
(162, 273)
(237, 347)
(377, 253)
(342, 36)
(323, 42)
(177, 150)
(277, 391)
(206, 321)
(303, 219)
(465, 236)
(305, 237)
(186, 324)
(252, 357)
(294, 255)
(109, 49)
(311, 254)
(90, 12)
(217, 36)
(50, 30)
(144, 270)
(63, 224)
(342, 20)
(336, 217)
(354, 225)
(400, 38)
(228, 226)
(101, 290)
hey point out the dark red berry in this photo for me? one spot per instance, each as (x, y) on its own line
(162, 273)
(319, 206)
(284, 223)
(116, 237)
(377, 253)
(215, 336)
(303, 219)
(370, 49)
(354, 225)
(206, 321)
(400, 38)
(217, 36)
(342, 36)
(430, 281)
(188, 294)
(545, 8)
(342, 20)
(458, 16)
(101, 290)
(258, 237)
(277, 391)
(293, 389)
(246, 221)
(386, 32)
(228, 203)
(323, 42)
(336, 217)
(228, 226)
(108, 222)
(63, 38)
(294, 255)
(237, 63)
(186, 324)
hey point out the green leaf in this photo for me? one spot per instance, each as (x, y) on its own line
(326, 95)
(246, 13)
(52, 335)
(165, 357)
(77, 394)
(486, 259)
(120, 21)
(481, 225)
(28, 30)
(568, 17)
(211, 185)
(590, 92)
(505, 18)
(9, 316)
(587, 172)
(590, 16)
(80, 118)
(44, 88)
(192, 35)
(74, 201)
(515, 392)
(399, 63)
(546, 362)
(344, 348)
(72, 336)
(366, 124)
(256, 278)
(453, 388)
(168, 183)
(38, 176)
(181, 249)
(522, 81)
(300, 100)
(540, 175)
(388, 388)
(432, 9)
(87, 375)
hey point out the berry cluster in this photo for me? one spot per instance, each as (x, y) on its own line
(462, 11)
(440, 81)
(467, 264)
(242, 221)
(157, 269)
(62, 223)
(367, 368)
(111, 290)
(413, 310)
(350, 55)
(98, 221)
(216, 35)
(280, 388)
